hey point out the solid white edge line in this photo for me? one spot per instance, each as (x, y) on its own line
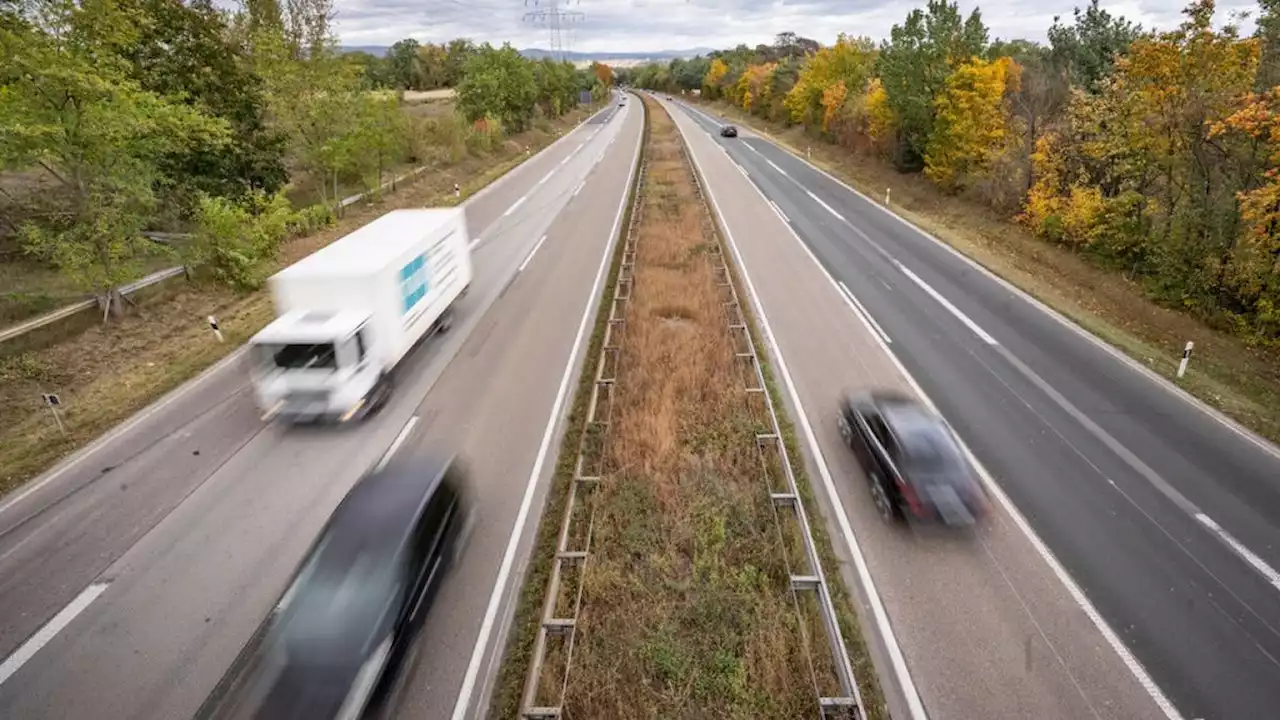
(1155, 377)
(1245, 553)
(508, 557)
(862, 313)
(50, 630)
(395, 444)
(781, 214)
(977, 329)
(911, 695)
(1130, 661)
(532, 252)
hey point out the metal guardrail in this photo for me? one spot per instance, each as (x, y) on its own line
(785, 500)
(573, 545)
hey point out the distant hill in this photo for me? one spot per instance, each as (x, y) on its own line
(574, 57)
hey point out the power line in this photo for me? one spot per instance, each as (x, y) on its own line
(548, 14)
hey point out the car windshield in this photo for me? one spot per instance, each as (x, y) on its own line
(337, 602)
(298, 356)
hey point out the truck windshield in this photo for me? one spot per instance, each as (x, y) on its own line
(300, 356)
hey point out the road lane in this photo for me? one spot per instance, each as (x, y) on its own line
(984, 625)
(183, 597)
(1123, 479)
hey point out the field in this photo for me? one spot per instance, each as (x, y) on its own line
(103, 374)
(686, 606)
(1242, 381)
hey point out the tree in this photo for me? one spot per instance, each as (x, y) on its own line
(915, 64)
(186, 53)
(402, 65)
(603, 73)
(457, 53)
(498, 82)
(711, 82)
(69, 105)
(1087, 49)
(432, 66)
(849, 63)
(972, 123)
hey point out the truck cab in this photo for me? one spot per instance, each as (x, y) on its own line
(313, 365)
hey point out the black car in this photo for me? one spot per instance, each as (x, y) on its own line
(728, 131)
(911, 459)
(336, 638)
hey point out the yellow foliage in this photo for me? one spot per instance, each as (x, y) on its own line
(755, 86)
(850, 62)
(972, 121)
(880, 122)
(711, 81)
(833, 98)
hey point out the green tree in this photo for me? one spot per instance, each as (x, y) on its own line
(185, 52)
(69, 105)
(1088, 47)
(914, 66)
(457, 53)
(498, 82)
(402, 65)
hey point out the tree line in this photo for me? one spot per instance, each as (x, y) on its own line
(162, 115)
(1153, 152)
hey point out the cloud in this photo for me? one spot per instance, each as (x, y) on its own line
(651, 25)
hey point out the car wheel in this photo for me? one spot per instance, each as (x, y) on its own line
(846, 432)
(884, 506)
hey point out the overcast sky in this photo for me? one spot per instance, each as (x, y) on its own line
(651, 25)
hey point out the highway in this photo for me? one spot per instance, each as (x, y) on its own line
(1129, 569)
(157, 551)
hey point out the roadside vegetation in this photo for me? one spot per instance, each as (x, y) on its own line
(1125, 176)
(153, 133)
(686, 606)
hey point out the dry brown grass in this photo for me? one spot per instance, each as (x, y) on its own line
(1242, 381)
(106, 373)
(687, 611)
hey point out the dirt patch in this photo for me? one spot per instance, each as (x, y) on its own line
(687, 610)
(107, 372)
(1240, 380)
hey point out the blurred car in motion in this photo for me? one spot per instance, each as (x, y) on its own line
(912, 461)
(335, 640)
(728, 131)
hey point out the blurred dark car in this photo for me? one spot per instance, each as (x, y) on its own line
(335, 640)
(728, 131)
(912, 460)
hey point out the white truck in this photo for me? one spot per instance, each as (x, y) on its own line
(347, 314)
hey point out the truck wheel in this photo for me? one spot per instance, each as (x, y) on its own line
(446, 320)
(381, 394)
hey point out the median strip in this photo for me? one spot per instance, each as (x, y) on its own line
(675, 571)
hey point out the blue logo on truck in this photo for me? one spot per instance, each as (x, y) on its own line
(413, 282)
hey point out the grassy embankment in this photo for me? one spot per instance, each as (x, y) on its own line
(686, 608)
(1242, 381)
(105, 373)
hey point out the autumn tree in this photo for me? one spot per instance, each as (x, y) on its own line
(915, 63)
(973, 124)
(603, 73)
(848, 65)
(711, 82)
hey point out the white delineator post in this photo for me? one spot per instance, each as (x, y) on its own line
(457, 190)
(886, 195)
(213, 325)
(1186, 357)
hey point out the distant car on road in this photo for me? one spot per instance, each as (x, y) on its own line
(728, 131)
(911, 459)
(337, 636)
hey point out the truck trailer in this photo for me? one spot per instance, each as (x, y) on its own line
(347, 314)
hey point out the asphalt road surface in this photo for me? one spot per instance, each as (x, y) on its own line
(155, 554)
(1164, 516)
